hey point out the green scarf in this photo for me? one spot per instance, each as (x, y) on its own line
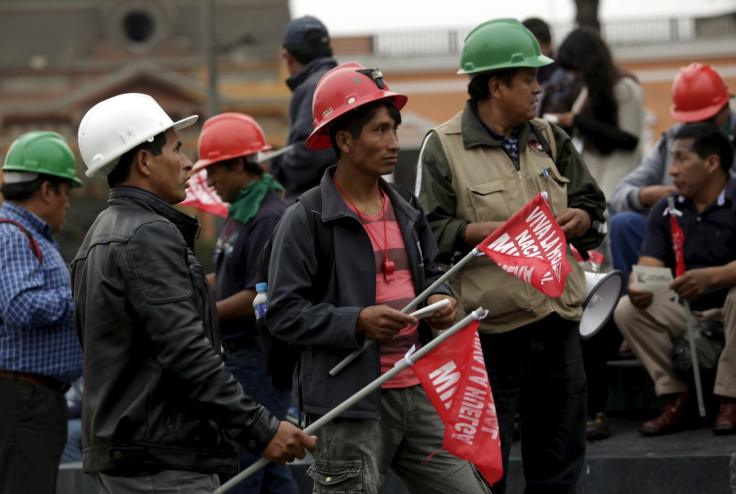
(249, 199)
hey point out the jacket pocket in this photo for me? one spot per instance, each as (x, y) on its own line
(488, 201)
(556, 186)
(337, 476)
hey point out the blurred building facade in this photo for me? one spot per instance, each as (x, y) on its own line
(60, 57)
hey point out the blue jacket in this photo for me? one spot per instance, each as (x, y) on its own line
(326, 331)
(300, 169)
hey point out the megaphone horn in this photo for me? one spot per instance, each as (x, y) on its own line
(602, 291)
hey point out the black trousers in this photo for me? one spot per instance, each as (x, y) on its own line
(33, 422)
(537, 370)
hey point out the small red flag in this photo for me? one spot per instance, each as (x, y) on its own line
(454, 377)
(678, 240)
(531, 246)
(203, 197)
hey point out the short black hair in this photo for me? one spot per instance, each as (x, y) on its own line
(20, 191)
(708, 139)
(355, 120)
(539, 29)
(121, 172)
(248, 165)
(478, 85)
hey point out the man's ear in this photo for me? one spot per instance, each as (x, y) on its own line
(344, 140)
(47, 192)
(142, 162)
(712, 163)
(494, 86)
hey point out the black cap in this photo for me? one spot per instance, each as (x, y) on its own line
(306, 30)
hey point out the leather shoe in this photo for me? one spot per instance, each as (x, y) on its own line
(676, 416)
(726, 419)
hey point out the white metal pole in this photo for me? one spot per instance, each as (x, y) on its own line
(477, 314)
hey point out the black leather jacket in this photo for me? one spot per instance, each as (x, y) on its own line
(156, 393)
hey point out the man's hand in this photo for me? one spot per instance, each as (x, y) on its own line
(443, 318)
(641, 299)
(574, 222)
(381, 322)
(289, 443)
(692, 285)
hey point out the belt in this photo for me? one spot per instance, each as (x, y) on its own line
(49, 382)
(245, 341)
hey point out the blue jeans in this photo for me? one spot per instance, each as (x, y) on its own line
(627, 234)
(538, 371)
(246, 364)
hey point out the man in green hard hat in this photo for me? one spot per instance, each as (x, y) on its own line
(477, 170)
(39, 351)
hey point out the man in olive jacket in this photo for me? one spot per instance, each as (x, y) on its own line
(160, 408)
(476, 171)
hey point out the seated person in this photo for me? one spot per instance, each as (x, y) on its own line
(698, 95)
(706, 200)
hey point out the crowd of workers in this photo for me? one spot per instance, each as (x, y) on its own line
(176, 395)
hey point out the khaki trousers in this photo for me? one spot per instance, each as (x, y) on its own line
(650, 332)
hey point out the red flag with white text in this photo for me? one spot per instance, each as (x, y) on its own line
(203, 197)
(678, 240)
(454, 377)
(531, 246)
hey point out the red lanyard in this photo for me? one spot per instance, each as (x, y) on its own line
(388, 267)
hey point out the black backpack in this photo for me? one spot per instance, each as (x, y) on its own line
(281, 358)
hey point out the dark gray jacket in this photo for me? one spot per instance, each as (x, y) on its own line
(300, 169)
(156, 393)
(326, 331)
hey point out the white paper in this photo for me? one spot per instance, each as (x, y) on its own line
(654, 279)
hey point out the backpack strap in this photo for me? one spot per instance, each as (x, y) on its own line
(324, 245)
(31, 241)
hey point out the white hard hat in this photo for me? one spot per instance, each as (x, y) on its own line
(116, 125)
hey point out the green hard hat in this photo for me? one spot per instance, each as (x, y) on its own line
(42, 152)
(500, 44)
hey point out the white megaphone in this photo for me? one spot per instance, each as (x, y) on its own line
(602, 291)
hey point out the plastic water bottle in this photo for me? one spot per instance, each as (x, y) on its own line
(259, 303)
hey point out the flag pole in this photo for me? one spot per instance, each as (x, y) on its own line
(402, 364)
(690, 333)
(426, 293)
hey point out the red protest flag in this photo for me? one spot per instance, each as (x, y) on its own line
(678, 241)
(203, 197)
(531, 246)
(454, 377)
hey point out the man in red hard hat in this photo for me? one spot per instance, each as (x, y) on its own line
(230, 149)
(698, 95)
(382, 255)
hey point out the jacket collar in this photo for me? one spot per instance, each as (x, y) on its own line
(317, 64)
(475, 134)
(187, 225)
(334, 207)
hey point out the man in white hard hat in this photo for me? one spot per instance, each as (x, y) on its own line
(160, 408)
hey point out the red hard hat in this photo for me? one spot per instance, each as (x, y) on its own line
(228, 136)
(342, 89)
(698, 93)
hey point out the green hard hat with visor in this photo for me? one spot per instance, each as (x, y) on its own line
(42, 152)
(500, 44)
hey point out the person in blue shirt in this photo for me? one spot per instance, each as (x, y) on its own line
(39, 351)
(705, 203)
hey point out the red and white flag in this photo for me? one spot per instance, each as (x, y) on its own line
(454, 377)
(531, 246)
(203, 197)
(678, 241)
